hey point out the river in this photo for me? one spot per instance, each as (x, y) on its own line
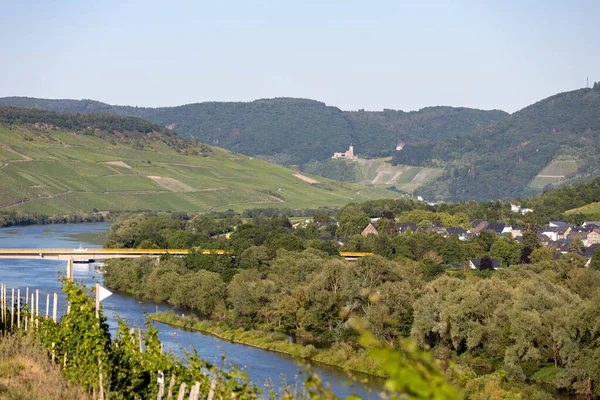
(261, 365)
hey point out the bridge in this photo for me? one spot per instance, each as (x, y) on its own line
(87, 255)
(95, 254)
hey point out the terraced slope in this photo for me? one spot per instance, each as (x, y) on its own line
(50, 169)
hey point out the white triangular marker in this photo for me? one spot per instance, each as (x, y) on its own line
(103, 293)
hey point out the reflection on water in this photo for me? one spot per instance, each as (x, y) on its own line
(43, 275)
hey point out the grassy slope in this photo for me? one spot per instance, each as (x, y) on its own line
(27, 373)
(59, 171)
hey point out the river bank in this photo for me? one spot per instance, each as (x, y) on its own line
(342, 356)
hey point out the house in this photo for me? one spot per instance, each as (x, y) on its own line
(557, 224)
(591, 250)
(593, 224)
(518, 209)
(475, 263)
(561, 246)
(580, 232)
(563, 232)
(457, 231)
(440, 231)
(496, 227)
(551, 233)
(478, 225)
(516, 230)
(593, 237)
(370, 230)
(544, 239)
(402, 227)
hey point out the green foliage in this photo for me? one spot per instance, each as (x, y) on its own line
(502, 162)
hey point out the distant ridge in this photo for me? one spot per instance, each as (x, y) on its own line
(59, 163)
(292, 131)
(485, 154)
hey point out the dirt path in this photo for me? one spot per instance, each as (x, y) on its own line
(305, 178)
(27, 200)
(396, 175)
(25, 158)
(550, 176)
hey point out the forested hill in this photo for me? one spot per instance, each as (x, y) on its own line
(293, 131)
(551, 143)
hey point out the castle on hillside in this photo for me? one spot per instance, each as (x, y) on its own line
(348, 155)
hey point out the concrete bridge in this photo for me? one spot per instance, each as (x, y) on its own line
(86, 255)
(96, 254)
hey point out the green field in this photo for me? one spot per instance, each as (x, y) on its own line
(405, 177)
(554, 172)
(60, 172)
(591, 209)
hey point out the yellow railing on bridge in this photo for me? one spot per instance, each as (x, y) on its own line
(356, 253)
(346, 254)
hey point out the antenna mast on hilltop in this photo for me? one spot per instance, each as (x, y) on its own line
(587, 82)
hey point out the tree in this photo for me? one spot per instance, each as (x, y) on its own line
(486, 263)
(507, 250)
(595, 263)
(353, 221)
(530, 238)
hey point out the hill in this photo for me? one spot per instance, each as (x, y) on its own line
(292, 131)
(67, 162)
(551, 143)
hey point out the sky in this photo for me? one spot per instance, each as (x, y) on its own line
(371, 55)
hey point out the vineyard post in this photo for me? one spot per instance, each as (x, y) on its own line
(54, 307)
(97, 300)
(2, 305)
(171, 385)
(32, 312)
(181, 392)
(195, 391)
(12, 309)
(18, 308)
(37, 308)
(211, 393)
(47, 304)
(161, 385)
(140, 339)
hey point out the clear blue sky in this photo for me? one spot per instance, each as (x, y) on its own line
(351, 54)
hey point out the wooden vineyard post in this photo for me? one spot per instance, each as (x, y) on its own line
(32, 312)
(54, 307)
(181, 392)
(97, 300)
(37, 308)
(47, 304)
(18, 308)
(161, 385)
(211, 393)
(3, 306)
(171, 385)
(195, 391)
(12, 309)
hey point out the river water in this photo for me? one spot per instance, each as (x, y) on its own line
(261, 365)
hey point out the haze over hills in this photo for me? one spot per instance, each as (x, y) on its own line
(67, 162)
(484, 154)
